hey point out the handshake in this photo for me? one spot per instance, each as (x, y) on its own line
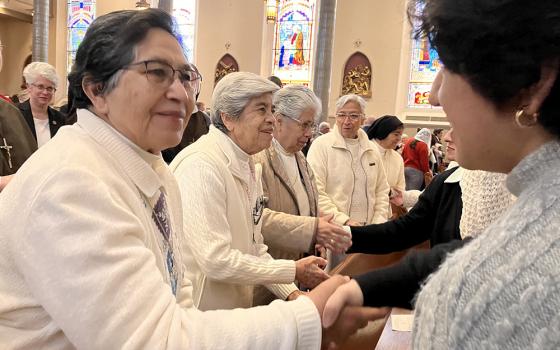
(339, 301)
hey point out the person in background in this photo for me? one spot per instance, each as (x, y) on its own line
(501, 290)
(368, 121)
(198, 125)
(349, 171)
(416, 155)
(90, 245)
(16, 141)
(222, 192)
(386, 133)
(43, 120)
(276, 80)
(324, 128)
(292, 225)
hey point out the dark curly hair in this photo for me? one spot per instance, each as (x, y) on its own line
(499, 46)
(109, 45)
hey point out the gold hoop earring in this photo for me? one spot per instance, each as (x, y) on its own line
(524, 120)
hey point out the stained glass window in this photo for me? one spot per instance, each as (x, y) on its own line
(293, 41)
(424, 66)
(80, 16)
(184, 12)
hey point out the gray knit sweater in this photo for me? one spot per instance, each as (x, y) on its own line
(502, 290)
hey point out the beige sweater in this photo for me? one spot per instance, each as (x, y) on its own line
(331, 163)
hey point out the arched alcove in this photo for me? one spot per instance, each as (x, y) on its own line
(227, 64)
(357, 75)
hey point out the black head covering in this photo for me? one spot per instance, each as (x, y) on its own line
(382, 127)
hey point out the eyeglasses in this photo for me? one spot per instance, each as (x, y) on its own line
(163, 74)
(42, 88)
(353, 116)
(304, 126)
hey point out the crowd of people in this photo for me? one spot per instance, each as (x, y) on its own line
(158, 223)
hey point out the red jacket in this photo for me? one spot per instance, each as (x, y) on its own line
(415, 155)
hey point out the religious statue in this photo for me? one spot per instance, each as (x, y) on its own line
(357, 81)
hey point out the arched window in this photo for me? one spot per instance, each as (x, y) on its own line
(293, 41)
(184, 12)
(80, 15)
(424, 65)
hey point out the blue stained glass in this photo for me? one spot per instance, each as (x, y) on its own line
(293, 52)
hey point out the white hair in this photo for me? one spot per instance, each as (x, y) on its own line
(233, 93)
(293, 100)
(34, 70)
(323, 124)
(351, 98)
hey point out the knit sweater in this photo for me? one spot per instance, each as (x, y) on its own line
(502, 290)
(485, 198)
(81, 264)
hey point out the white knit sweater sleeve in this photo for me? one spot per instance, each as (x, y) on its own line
(318, 161)
(208, 234)
(84, 264)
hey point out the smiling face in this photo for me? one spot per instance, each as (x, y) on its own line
(450, 145)
(347, 126)
(41, 92)
(150, 115)
(393, 139)
(294, 135)
(475, 120)
(252, 130)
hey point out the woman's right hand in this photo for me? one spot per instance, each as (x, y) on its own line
(309, 271)
(332, 236)
(347, 294)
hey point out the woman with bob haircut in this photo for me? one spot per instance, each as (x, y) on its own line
(500, 90)
(90, 244)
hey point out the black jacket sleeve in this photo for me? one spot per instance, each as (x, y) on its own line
(397, 285)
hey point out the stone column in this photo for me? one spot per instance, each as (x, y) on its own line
(40, 51)
(323, 54)
(166, 5)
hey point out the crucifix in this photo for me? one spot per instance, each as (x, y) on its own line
(7, 148)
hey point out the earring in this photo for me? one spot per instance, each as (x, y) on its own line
(524, 120)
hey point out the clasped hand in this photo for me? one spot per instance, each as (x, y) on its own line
(339, 305)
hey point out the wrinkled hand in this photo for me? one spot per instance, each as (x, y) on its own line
(320, 251)
(347, 294)
(332, 236)
(309, 271)
(350, 320)
(396, 197)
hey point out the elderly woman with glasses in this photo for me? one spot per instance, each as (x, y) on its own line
(90, 245)
(348, 169)
(224, 203)
(292, 224)
(44, 121)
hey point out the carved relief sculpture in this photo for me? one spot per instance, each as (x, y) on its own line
(226, 65)
(357, 76)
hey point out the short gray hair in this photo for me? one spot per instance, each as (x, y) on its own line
(293, 100)
(35, 70)
(233, 93)
(351, 98)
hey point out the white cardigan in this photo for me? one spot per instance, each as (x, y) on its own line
(331, 162)
(80, 265)
(224, 250)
